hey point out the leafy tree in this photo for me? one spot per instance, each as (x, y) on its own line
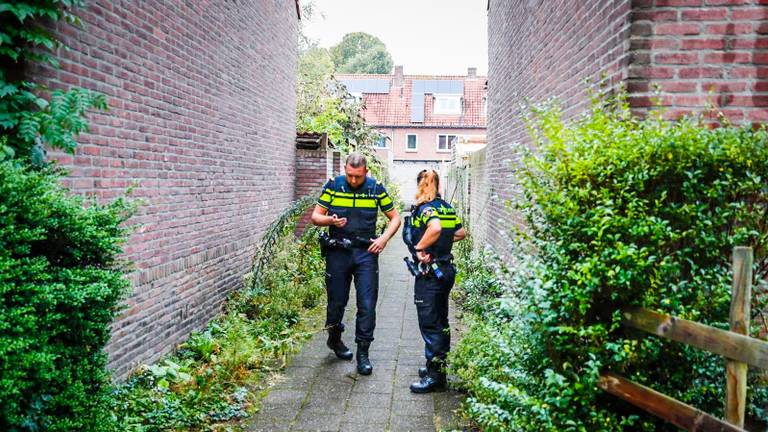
(30, 115)
(315, 71)
(361, 53)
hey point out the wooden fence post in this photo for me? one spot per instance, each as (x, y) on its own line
(736, 371)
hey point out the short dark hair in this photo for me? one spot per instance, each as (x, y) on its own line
(356, 160)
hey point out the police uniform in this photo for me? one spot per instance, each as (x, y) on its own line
(360, 206)
(430, 291)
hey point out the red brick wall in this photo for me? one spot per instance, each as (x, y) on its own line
(701, 51)
(312, 171)
(540, 49)
(201, 119)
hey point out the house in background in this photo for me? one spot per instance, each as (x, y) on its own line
(423, 119)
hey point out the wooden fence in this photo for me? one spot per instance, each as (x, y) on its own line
(735, 345)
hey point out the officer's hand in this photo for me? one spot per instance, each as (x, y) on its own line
(377, 245)
(423, 257)
(337, 221)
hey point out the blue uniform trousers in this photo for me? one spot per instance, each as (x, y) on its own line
(341, 265)
(431, 298)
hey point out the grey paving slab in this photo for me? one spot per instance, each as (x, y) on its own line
(318, 392)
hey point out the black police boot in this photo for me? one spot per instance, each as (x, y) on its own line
(422, 372)
(433, 381)
(363, 362)
(336, 345)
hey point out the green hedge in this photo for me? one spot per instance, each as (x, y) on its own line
(60, 284)
(620, 211)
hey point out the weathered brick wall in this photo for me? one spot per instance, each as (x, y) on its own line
(698, 52)
(537, 50)
(202, 101)
(313, 169)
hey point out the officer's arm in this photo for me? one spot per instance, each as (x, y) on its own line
(393, 225)
(431, 234)
(320, 216)
(459, 235)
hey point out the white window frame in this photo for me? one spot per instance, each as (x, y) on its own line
(437, 142)
(376, 144)
(436, 108)
(415, 140)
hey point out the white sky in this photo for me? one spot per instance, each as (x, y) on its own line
(431, 37)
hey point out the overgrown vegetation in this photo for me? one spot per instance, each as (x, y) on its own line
(621, 211)
(60, 280)
(60, 284)
(31, 115)
(218, 376)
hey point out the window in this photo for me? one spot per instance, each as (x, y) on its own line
(448, 104)
(410, 143)
(381, 142)
(446, 143)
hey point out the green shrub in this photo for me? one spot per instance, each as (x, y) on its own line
(620, 211)
(60, 284)
(218, 375)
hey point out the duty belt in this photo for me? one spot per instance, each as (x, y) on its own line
(354, 241)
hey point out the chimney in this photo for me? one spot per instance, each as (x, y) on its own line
(398, 79)
(472, 72)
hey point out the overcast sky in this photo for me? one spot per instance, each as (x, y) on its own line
(425, 36)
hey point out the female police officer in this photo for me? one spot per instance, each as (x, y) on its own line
(434, 227)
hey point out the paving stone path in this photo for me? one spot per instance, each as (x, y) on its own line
(321, 393)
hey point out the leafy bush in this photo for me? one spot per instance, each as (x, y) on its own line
(60, 284)
(621, 211)
(217, 376)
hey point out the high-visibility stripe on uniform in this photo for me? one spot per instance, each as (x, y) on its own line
(356, 202)
(386, 200)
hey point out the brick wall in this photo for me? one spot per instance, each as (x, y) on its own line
(701, 51)
(687, 47)
(201, 119)
(540, 49)
(313, 169)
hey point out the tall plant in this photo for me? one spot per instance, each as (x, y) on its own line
(31, 115)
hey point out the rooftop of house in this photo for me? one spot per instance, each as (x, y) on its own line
(420, 100)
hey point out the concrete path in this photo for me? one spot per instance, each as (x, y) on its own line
(321, 393)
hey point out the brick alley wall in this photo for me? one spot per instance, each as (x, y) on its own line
(700, 52)
(539, 49)
(201, 118)
(546, 49)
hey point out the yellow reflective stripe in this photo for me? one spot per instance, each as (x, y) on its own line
(365, 203)
(344, 194)
(349, 202)
(386, 201)
(447, 223)
(325, 197)
(383, 194)
(342, 202)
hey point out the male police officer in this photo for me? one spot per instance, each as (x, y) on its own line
(433, 227)
(349, 206)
